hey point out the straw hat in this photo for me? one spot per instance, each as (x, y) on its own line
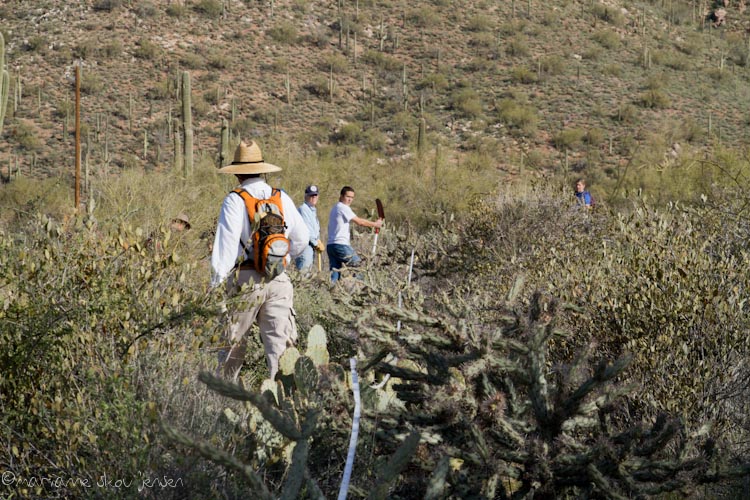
(182, 217)
(248, 160)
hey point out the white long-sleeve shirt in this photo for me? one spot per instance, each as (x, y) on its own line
(234, 228)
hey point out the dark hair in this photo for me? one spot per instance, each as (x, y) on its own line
(346, 189)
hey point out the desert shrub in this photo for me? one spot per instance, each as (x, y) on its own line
(423, 17)
(552, 65)
(522, 74)
(145, 9)
(86, 49)
(517, 47)
(434, 81)
(147, 50)
(612, 70)
(626, 113)
(91, 83)
(191, 60)
(592, 53)
(335, 62)
(24, 133)
(381, 61)
(320, 36)
(284, 32)
(466, 102)
(568, 138)
(671, 59)
(112, 49)
(176, 10)
(210, 8)
(720, 75)
(550, 18)
(654, 98)
(479, 23)
(607, 39)
(107, 5)
(320, 86)
(66, 353)
(219, 60)
(514, 27)
(483, 39)
(36, 43)
(518, 115)
(594, 136)
(610, 14)
(348, 133)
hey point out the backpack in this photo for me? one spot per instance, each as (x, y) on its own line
(267, 226)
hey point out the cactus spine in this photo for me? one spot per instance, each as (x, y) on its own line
(4, 84)
(187, 125)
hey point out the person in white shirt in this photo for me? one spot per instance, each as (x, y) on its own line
(309, 214)
(270, 302)
(339, 249)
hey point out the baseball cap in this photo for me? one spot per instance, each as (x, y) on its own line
(311, 190)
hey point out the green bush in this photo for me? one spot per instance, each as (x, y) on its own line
(568, 138)
(24, 133)
(381, 61)
(176, 10)
(518, 115)
(466, 102)
(608, 13)
(284, 32)
(210, 8)
(517, 47)
(423, 17)
(522, 74)
(654, 98)
(607, 38)
(479, 23)
(147, 50)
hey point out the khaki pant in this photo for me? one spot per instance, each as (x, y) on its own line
(271, 304)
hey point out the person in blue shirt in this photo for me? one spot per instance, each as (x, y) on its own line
(309, 214)
(583, 197)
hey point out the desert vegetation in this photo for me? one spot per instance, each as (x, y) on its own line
(506, 343)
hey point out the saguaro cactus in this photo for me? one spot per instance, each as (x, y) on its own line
(4, 83)
(187, 124)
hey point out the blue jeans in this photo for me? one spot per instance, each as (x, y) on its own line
(305, 260)
(339, 256)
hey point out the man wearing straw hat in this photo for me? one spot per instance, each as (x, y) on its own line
(309, 214)
(270, 302)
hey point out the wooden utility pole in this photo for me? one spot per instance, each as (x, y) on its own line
(78, 138)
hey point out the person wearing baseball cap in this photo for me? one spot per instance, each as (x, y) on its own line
(309, 214)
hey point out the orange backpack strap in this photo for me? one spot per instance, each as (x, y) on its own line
(276, 199)
(249, 202)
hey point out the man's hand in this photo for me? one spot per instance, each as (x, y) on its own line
(319, 247)
(378, 223)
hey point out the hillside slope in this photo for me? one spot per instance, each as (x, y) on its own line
(553, 86)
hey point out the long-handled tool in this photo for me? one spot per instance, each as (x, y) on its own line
(381, 215)
(320, 266)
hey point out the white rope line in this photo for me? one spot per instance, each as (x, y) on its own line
(355, 432)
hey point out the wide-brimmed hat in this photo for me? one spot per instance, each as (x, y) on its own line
(248, 160)
(182, 217)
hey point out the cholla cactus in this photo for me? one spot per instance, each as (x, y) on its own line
(292, 405)
(503, 424)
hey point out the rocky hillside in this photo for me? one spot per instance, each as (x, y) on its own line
(563, 85)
